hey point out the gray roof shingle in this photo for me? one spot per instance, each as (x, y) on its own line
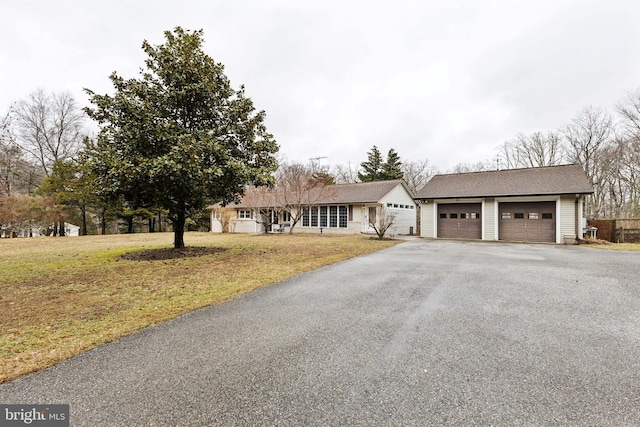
(551, 180)
(361, 192)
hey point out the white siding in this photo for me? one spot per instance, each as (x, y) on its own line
(403, 207)
(428, 220)
(567, 217)
(236, 225)
(489, 219)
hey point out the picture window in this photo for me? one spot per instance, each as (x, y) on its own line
(324, 212)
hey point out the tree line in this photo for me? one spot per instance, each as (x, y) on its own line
(180, 137)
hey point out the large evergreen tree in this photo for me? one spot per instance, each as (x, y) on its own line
(392, 168)
(376, 168)
(179, 137)
(372, 168)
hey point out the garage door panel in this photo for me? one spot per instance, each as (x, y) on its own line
(528, 222)
(460, 221)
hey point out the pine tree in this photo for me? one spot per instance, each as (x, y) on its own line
(372, 168)
(392, 168)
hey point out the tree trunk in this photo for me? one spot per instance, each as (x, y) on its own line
(61, 232)
(103, 222)
(152, 224)
(178, 227)
(83, 209)
(130, 225)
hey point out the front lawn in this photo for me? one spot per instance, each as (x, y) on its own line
(62, 296)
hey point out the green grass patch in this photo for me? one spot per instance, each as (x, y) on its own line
(62, 296)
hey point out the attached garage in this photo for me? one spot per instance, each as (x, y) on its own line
(527, 222)
(459, 221)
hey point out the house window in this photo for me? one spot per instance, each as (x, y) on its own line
(547, 216)
(333, 216)
(410, 206)
(518, 215)
(305, 217)
(326, 216)
(244, 214)
(533, 215)
(389, 205)
(342, 218)
(323, 216)
(350, 212)
(395, 205)
(506, 215)
(286, 216)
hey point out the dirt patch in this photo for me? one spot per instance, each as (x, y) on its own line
(171, 253)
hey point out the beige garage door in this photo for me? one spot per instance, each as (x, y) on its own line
(528, 222)
(460, 221)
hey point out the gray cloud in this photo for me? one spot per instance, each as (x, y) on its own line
(444, 80)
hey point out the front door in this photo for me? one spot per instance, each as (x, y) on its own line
(372, 218)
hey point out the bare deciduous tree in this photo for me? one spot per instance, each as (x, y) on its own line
(225, 215)
(16, 174)
(590, 131)
(298, 187)
(629, 109)
(49, 127)
(346, 174)
(417, 174)
(266, 203)
(481, 166)
(383, 221)
(531, 151)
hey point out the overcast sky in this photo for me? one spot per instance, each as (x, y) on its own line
(444, 80)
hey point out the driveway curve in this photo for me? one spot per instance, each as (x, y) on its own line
(424, 333)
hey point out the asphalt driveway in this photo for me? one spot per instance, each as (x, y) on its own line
(425, 333)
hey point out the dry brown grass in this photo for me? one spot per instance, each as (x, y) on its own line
(63, 296)
(616, 246)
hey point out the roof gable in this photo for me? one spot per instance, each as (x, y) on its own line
(361, 192)
(551, 180)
